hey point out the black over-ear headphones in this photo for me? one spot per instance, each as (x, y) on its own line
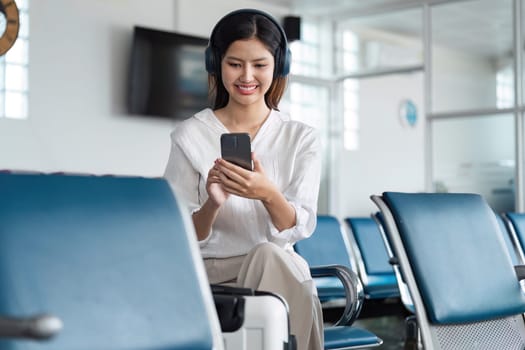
(282, 57)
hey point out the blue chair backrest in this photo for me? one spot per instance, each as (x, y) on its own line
(457, 255)
(111, 257)
(371, 245)
(326, 245)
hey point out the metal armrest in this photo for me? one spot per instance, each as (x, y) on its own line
(353, 290)
(40, 327)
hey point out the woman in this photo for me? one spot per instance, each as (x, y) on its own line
(247, 221)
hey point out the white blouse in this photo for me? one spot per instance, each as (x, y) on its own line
(290, 156)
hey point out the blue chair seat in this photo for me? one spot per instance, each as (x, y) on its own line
(379, 280)
(381, 286)
(378, 287)
(328, 246)
(329, 288)
(348, 338)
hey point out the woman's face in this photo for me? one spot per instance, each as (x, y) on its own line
(247, 71)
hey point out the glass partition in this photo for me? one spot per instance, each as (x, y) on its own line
(379, 42)
(310, 104)
(476, 155)
(472, 55)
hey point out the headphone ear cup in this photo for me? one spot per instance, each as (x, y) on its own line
(282, 62)
(209, 60)
(278, 70)
(287, 60)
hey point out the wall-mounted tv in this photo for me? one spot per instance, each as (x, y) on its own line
(167, 75)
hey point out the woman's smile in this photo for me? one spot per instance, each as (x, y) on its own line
(246, 89)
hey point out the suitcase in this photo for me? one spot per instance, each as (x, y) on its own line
(253, 320)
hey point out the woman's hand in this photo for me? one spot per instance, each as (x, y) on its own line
(204, 218)
(244, 183)
(216, 192)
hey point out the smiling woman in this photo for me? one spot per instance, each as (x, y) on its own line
(247, 221)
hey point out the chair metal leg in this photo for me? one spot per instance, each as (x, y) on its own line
(411, 333)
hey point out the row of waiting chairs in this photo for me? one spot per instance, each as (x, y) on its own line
(453, 256)
(106, 262)
(115, 262)
(362, 244)
(361, 247)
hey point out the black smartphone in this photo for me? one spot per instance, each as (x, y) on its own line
(237, 149)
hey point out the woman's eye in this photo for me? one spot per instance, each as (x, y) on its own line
(260, 65)
(234, 65)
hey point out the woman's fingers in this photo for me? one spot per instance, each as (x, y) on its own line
(230, 169)
(242, 182)
(230, 185)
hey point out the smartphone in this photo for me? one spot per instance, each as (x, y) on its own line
(237, 149)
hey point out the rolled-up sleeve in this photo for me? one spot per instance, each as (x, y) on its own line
(303, 191)
(182, 176)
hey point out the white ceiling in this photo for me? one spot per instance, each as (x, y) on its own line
(482, 27)
(334, 7)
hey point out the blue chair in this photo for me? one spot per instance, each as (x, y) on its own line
(461, 278)
(404, 294)
(326, 251)
(328, 245)
(112, 260)
(375, 271)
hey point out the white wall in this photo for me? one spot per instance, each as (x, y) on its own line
(77, 83)
(390, 155)
(77, 76)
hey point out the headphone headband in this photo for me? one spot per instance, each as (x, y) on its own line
(282, 58)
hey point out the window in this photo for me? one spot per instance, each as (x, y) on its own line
(309, 103)
(14, 79)
(351, 114)
(308, 96)
(312, 55)
(350, 55)
(306, 52)
(505, 87)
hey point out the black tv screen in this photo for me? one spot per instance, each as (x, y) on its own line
(167, 75)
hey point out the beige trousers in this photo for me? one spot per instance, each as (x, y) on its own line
(270, 268)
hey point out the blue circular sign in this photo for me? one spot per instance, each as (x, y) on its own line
(408, 113)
